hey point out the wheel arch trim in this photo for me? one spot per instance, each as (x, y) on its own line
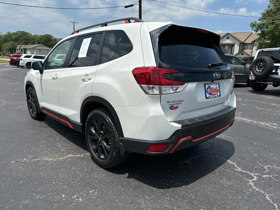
(98, 102)
(28, 83)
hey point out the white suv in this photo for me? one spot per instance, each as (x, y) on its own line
(265, 69)
(27, 59)
(150, 88)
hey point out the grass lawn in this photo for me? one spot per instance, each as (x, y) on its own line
(4, 59)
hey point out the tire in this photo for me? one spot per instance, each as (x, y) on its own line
(258, 86)
(28, 65)
(17, 64)
(262, 66)
(33, 104)
(102, 139)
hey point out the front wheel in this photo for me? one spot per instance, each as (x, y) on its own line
(33, 104)
(102, 139)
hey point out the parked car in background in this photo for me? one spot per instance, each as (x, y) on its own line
(27, 59)
(14, 59)
(240, 68)
(265, 69)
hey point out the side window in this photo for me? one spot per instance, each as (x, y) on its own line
(229, 58)
(58, 55)
(116, 44)
(86, 51)
(38, 57)
(236, 61)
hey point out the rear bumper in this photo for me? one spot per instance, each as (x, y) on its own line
(192, 132)
(270, 79)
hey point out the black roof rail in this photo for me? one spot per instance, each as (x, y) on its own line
(129, 19)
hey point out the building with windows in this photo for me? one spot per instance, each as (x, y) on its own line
(33, 49)
(242, 44)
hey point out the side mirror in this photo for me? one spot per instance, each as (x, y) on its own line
(38, 65)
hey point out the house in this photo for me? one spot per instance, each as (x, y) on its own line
(33, 49)
(242, 44)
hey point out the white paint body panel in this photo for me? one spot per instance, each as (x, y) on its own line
(141, 116)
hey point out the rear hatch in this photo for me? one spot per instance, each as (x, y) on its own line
(203, 76)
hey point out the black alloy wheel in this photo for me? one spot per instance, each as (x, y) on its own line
(33, 104)
(28, 65)
(102, 139)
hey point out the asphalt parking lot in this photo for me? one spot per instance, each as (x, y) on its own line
(45, 165)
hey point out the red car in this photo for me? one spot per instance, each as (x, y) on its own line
(14, 59)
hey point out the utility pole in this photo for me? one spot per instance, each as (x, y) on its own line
(73, 25)
(140, 9)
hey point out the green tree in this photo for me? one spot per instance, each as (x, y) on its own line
(46, 39)
(10, 40)
(20, 37)
(1, 42)
(268, 26)
(9, 47)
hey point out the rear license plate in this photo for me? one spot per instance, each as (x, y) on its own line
(212, 90)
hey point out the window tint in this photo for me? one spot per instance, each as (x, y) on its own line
(189, 56)
(27, 56)
(275, 55)
(86, 51)
(236, 61)
(116, 45)
(39, 57)
(188, 48)
(16, 56)
(229, 58)
(58, 55)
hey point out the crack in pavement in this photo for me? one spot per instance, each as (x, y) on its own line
(254, 179)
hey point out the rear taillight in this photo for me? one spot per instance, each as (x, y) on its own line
(153, 80)
(250, 68)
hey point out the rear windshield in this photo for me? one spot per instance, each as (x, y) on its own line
(274, 54)
(17, 56)
(189, 48)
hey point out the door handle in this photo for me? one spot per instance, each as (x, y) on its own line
(54, 77)
(86, 78)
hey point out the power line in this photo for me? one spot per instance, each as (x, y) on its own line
(65, 8)
(206, 11)
(119, 6)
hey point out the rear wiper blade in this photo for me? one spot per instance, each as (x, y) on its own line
(215, 64)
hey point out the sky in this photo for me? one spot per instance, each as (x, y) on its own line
(203, 14)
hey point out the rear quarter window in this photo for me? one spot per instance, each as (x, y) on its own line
(116, 45)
